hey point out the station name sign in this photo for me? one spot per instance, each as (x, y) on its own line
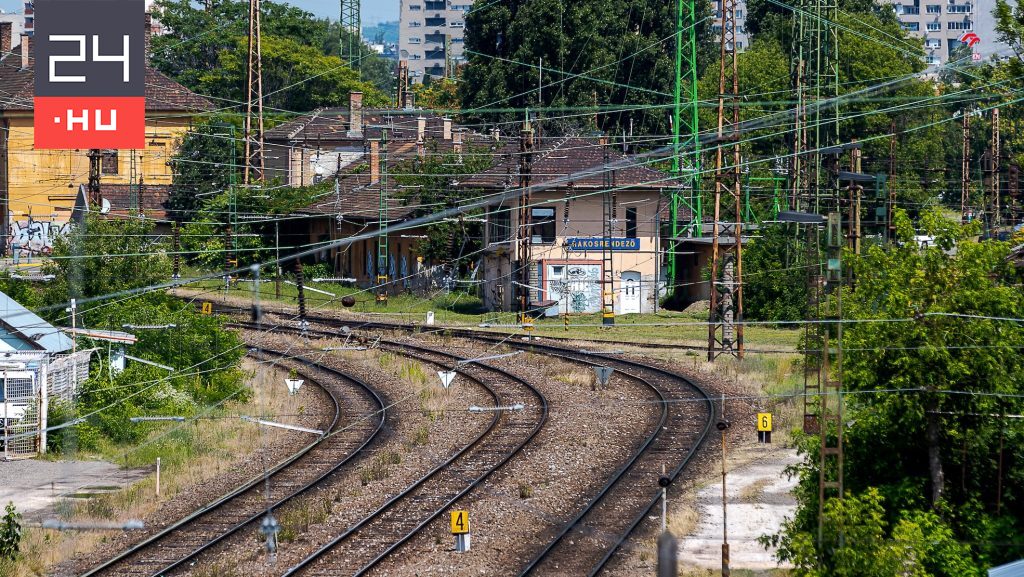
(581, 244)
(90, 75)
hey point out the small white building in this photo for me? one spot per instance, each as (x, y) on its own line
(36, 366)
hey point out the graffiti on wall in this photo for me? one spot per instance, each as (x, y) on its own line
(34, 237)
(576, 287)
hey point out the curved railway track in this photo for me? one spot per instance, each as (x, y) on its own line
(369, 541)
(358, 419)
(589, 541)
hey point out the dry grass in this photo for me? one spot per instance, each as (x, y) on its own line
(752, 493)
(205, 450)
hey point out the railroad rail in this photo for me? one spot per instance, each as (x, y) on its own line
(358, 419)
(589, 541)
(369, 541)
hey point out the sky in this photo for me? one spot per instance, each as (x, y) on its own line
(373, 11)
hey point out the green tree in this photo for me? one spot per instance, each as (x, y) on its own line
(595, 54)
(199, 42)
(204, 164)
(10, 533)
(774, 278)
(296, 77)
(929, 384)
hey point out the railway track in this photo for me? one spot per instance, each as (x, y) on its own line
(589, 541)
(369, 541)
(359, 417)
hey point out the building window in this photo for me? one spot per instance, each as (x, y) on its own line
(934, 26)
(911, 26)
(738, 13)
(435, 22)
(543, 224)
(631, 228)
(414, 40)
(934, 9)
(964, 25)
(431, 5)
(458, 24)
(959, 9)
(415, 24)
(500, 225)
(415, 7)
(932, 59)
(933, 43)
(108, 163)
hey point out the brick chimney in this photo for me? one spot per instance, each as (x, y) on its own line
(457, 144)
(149, 34)
(355, 114)
(447, 128)
(6, 37)
(26, 50)
(374, 161)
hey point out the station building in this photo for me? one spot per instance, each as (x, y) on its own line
(567, 261)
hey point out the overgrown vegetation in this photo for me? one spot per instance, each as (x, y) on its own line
(204, 354)
(932, 464)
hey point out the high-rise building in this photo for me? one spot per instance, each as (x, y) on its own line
(431, 35)
(942, 22)
(740, 14)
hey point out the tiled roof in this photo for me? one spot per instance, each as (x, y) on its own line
(561, 157)
(152, 199)
(17, 86)
(358, 201)
(332, 125)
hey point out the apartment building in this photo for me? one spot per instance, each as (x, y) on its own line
(740, 13)
(942, 22)
(431, 35)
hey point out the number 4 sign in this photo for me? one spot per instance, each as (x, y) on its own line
(460, 528)
(90, 75)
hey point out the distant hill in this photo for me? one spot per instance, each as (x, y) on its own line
(389, 30)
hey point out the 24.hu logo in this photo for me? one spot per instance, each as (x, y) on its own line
(89, 60)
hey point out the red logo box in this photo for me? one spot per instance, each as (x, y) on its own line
(63, 122)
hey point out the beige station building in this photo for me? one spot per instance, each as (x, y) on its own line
(567, 263)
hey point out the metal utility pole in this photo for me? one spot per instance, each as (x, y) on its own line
(351, 22)
(890, 226)
(176, 249)
(524, 224)
(685, 132)
(816, 78)
(254, 98)
(402, 87)
(965, 168)
(725, 327)
(723, 425)
(382, 223)
(95, 158)
(609, 221)
(996, 210)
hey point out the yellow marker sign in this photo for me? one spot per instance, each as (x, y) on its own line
(207, 308)
(460, 522)
(764, 422)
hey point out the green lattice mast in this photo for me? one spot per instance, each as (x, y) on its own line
(351, 22)
(686, 146)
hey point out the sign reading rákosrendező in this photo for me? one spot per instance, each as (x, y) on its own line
(582, 244)
(90, 75)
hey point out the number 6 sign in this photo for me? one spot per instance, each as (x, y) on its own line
(90, 89)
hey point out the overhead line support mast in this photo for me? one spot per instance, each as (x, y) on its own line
(725, 329)
(254, 99)
(685, 132)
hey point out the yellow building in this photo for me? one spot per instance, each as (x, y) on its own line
(38, 188)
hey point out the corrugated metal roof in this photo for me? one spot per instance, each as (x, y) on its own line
(23, 330)
(1015, 569)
